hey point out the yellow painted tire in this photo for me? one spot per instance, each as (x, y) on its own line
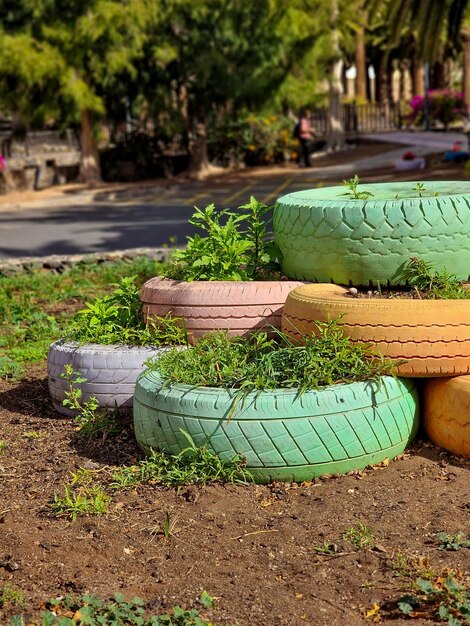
(447, 413)
(432, 336)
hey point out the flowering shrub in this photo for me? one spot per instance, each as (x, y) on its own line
(254, 140)
(445, 106)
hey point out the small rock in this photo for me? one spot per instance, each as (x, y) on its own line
(353, 291)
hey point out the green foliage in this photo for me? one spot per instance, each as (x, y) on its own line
(11, 596)
(91, 421)
(431, 284)
(3, 446)
(352, 184)
(444, 600)
(85, 500)
(35, 306)
(227, 251)
(453, 542)
(117, 319)
(91, 611)
(260, 362)
(361, 536)
(191, 465)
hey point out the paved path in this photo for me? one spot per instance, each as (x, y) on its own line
(106, 221)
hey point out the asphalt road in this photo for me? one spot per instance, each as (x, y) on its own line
(105, 221)
(85, 224)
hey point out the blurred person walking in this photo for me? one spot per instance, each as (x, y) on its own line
(305, 135)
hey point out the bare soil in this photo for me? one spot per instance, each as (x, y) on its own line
(254, 548)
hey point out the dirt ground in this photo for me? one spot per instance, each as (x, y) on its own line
(254, 548)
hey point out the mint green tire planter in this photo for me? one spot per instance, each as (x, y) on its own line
(283, 436)
(326, 236)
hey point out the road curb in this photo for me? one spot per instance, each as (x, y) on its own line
(60, 262)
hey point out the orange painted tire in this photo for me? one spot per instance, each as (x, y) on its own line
(446, 406)
(208, 306)
(433, 336)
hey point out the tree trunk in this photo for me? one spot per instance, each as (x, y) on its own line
(90, 172)
(418, 77)
(361, 69)
(199, 164)
(335, 140)
(466, 67)
(335, 125)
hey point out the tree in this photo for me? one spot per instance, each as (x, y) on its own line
(58, 60)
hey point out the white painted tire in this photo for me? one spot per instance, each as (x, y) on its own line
(110, 372)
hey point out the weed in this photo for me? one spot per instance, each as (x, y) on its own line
(326, 548)
(10, 368)
(33, 434)
(91, 421)
(11, 596)
(444, 599)
(191, 465)
(360, 536)
(421, 189)
(226, 251)
(3, 446)
(87, 500)
(81, 477)
(352, 184)
(117, 319)
(405, 566)
(66, 611)
(429, 283)
(453, 542)
(259, 362)
(206, 600)
(169, 526)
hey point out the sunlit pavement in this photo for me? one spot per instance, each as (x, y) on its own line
(153, 216)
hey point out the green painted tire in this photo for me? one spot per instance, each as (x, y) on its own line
(283, 436)
(326, 236)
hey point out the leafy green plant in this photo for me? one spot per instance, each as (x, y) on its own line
(91, 611)
(352, 184)
(91, 420)
(3, 446)
(10, 595)
(361, 536)
(429, 283)
(117, 319)
(227, 251)
(445, 600)
(36, 305)
(261, 362)
(86, 500)
(191, 465)
(453, 542)
(421, 189)
(326, 548)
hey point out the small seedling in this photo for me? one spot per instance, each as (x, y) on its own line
(326, 548)
(405, 566)
(33, 434)
(169, 526)
(452, 542)
(352, 184)
(85, 501)
(11, 596)
(3, 446)
(360, 536)
(81, 477)
(91, 421)
(206, 600)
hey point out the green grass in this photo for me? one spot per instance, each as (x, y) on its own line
(191, 465)
(260, 362)
(84, 500)
(36, 306)
(429, 283)
(360, 536)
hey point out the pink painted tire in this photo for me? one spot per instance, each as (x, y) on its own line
(208, 306)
